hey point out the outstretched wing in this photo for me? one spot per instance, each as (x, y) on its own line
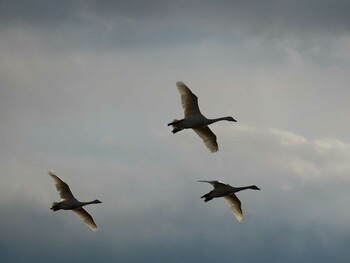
(86, 217)
(208, 137)
(189, 101)
(235, 206)
(215, 184)
(62, 187)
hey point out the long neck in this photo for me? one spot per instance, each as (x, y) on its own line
(237, 189)
(219, 119)
(88, 203)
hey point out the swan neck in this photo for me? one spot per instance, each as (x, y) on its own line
(217, 119)
(243, 188)
(87, 203)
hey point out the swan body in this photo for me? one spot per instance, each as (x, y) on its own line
(228, 193)
(194, 119)
(69, 202)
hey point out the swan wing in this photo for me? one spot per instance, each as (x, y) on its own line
(86, 217)
(62, 188)
(235, 206)
(215, 184)
(189, 101)
(208, 137)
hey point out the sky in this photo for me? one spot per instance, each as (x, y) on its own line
(87, 89)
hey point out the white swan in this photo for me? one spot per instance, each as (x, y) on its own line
(194, 119)
(227, 192)
(70, 203)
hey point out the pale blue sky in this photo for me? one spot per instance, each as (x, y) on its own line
(87, 88)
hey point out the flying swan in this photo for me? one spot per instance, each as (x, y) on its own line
(194, 119)
(227, 192)
(68, 202)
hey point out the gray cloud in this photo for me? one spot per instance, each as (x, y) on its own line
(324, 15)
(159, 212)
(128, 24)
(87, 88)
(39, 13)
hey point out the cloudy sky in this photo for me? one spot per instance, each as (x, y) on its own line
(87, 88)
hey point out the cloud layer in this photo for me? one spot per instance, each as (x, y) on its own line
(152, 205)
(87, 88)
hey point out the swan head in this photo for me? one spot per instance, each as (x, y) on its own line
(230, 119)
(254, 187)
(97, 201)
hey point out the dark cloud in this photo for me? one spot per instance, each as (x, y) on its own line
(134, 23)
(259, 16)
(37, 12)
(40, 235)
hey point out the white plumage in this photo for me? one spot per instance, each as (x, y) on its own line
(69, 202)
(194, 119)
(228, 193)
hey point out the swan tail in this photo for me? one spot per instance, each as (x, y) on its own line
(174, 122)
(54, 206)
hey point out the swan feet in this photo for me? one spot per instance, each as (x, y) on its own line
(55, 206)
(207, 197)
(175, 130)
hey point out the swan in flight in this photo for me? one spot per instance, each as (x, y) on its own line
(69, 202)
(228, 193)
(194, 119)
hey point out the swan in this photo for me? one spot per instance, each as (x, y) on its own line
(228, 193)
(194, 119)
(70, 203)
